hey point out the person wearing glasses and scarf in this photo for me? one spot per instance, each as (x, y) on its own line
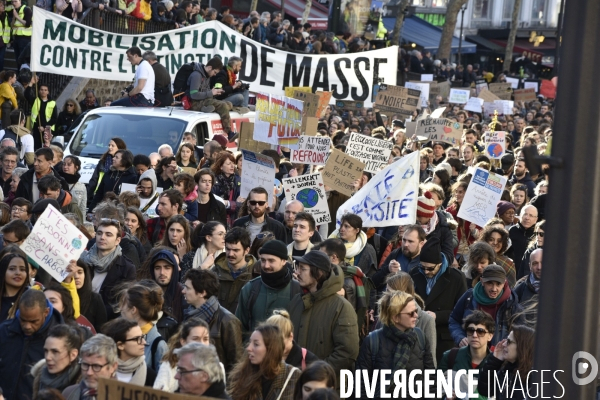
(69, 113)
(399, 344)
(130, 342)
(440, 286)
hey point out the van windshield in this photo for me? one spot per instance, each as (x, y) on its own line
(143, 134)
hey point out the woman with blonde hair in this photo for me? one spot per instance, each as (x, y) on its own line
(262, 373)
(293, 354)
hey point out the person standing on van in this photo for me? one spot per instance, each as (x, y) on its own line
(163, 96)
(21, 27)
(142, 94)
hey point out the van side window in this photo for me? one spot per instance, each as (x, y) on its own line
(201, 132)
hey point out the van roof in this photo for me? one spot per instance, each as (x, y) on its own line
(167, 112)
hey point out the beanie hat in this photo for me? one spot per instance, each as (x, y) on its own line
(444, 166)
(40, 206)
(425, 206)
(431, 251)
(275, 248)
(222, 140)
(504, 206)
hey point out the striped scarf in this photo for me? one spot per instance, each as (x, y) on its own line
(357, 276)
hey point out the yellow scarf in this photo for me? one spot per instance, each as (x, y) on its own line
(146, 328)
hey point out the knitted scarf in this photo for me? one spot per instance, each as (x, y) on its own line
(200, 256)
(481, 296)
(277, 280)
(357, 276)
(535, 283)
(206, 310)
(228, 184)
(352, 248)
(430, 226)
(231, 76)
(60, 381)
(431, 281)
(100, 264)
(405, 341)
(107, 163)
(135, 366)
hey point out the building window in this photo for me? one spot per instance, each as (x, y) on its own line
(507, 9)
(538, 12)
(482, 9)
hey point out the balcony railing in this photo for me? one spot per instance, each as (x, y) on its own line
(117, 23)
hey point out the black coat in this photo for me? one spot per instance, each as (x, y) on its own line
(525, 269)
(441, 300)
(524, 290)
(223, 78)
(226, 334)
(112, 182)
(217, 211)
(93, 183)
(520, 237)
(25, 188)
(64, 122)
(271, 225)
(295, 357)
(163, 96)
(443, 232)
(18, 353)
(122, 270)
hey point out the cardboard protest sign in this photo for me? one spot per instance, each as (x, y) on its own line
(501, 89)
(480, 84)
(324, 99)
(312, 150)
(486, 95)
(257, 170)
(310, 102)
(390, 197)
(246, 141)
(115, 390)
(397, 99)
(310, 191)
(482, 197)
(525, 94)
(440, 130)
(495, 145)
(475, 104)
(411, 128)
(421, 87)
(278, 120)
(54, 242)
(350, 105)
(374, 152)
(289, 91)
(341, 171)
(459, 96)
(444, 89)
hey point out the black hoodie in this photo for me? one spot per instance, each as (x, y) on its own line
(112, 182)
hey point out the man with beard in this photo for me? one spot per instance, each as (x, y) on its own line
(289, 216)
(521, 176)
(232, 87)
(258, 220)
(273, 289)
(164, 270)
(169, 204)
(405, 257)
(146, 189)
(530, 286)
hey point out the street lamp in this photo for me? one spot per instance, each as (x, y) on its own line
(462, 20)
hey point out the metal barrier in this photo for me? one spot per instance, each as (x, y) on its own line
(116, 23)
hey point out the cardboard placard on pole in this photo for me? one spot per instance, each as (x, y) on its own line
(115, 390)
(341, 171)
(289, 91)
(440, 130)
(246, 140)
(258, 170)
(487, 96)
(502, 89)
(397, 99)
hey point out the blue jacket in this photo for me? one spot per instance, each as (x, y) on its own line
(467, 304)
(161, 349)
(18, 353)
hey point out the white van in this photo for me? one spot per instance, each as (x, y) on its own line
(142, 129)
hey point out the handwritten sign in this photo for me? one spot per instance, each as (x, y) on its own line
(489, 108)
(397, 99)
(312, 150)
(375, 153)
(310, 191)
(459, 96)
(423, 88)
(114, 390)
(440, 130)
(504, 107)
(390, 197)
(531, 85)
(514, 82)
(480, 84)
(310, 102)
(501, 89)
(488, 96)
(525, 94)
(495, 144)
(278, 120)
(54, 242)
(482, 197)
(258, 170)
(341, 171)
(289, 91)
(475, 104)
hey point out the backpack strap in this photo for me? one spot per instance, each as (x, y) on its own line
(420, 338)
(452, 357)
(304, 351)
(153, 349)
(374, 345)
(286, 382)
(255, 286)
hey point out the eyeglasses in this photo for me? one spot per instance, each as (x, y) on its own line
(540, 234)
(411, 314)
(95, 367)
(428, 269)
(7, 242)
(480, 331)
(138, 339)
(19, 210)
(70, 105)
(509, 342)
(110, 221)
(267, 235)
(182, 371)
(254, 202)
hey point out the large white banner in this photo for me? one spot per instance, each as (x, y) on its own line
(390, 197)
(62, 46)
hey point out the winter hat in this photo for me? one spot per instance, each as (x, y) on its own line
(504, 206)
(164, 255)
(221, 139)
(493, 273)
(425, 206)
(40, 206)
(431, 251)
(445, 166)
(317, 259)
(275, 248)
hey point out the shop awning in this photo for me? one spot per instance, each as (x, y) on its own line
(483, 42)
(425, 35)
(535, 53)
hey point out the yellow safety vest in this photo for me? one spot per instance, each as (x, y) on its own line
(6, 30)
(9, 7)
(19, 29)
(36, 109)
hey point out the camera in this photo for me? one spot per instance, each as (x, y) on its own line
(126, 90)
(244, 86)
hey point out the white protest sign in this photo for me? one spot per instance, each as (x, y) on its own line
(475, 104)
(423, 87)
(459, 96)
(427, 77)
(257, 170)
(482, 196)
(489, 108)
(389, 198)
(495, 145)
(310, 191)
(531, 85)
(480, 85)
(312, 150)
(514, 82)
(54, 242)
(438, 112)
(504, 107)
(375, 153)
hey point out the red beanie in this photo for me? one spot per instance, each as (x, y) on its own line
(425, 206)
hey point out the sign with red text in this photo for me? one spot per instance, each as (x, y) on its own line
(440, 130)
(54, 242)
(312, 150)
(310, 191)
(278, 120)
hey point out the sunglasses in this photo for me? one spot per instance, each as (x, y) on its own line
(428, 269)
(411, 314)
(266, 235)
(540, 234)
(480, 331)
(70, 105)
(254, 202)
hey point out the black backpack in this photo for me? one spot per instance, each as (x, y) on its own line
(180, 84)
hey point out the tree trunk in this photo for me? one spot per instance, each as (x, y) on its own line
(452, 10)
(306, 12)
(253, 5)
(399, 21)
(510, 43)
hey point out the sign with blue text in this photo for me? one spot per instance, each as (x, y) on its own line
(310, 191)
(482, 197)
(390, 197)
(258, 170)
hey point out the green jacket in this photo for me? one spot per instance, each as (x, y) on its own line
(462, 361)
(325, 323)
(229, 288)
(266, 301)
